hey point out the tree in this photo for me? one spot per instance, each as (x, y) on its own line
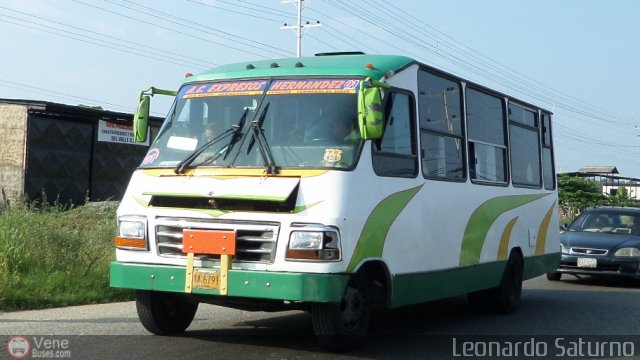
(578, 193)
(622, 198)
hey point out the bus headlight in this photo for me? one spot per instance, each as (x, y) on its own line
(321, 244)
(306, 240)
(132, 233)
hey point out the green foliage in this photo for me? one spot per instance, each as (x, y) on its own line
(56, 255)
(621, 198)
(579, 192)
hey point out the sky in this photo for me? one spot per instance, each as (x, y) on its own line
(577, 58)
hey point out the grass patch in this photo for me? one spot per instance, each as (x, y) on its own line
(57, 256)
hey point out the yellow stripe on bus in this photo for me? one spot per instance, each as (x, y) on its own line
(542, 232)
(503, 249)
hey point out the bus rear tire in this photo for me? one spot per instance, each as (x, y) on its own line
(163, 313)
(343, 326)
(506, 297)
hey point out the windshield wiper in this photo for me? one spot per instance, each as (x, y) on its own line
(235, 129)
(182, 165)
(260, 138)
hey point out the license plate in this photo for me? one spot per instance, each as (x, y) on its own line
(587, 263)
(203, 279)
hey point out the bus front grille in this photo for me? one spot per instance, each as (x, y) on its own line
(255, 241)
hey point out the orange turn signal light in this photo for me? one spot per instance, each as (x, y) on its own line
(130, 243)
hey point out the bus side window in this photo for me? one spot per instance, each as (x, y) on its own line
(395, 154)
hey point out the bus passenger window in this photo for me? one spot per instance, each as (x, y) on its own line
(525, 146)
(441, 135)
(487, 137)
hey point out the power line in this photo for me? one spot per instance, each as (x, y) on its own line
(544, 93)
(299, 27)
(94, 41)
(172, 30)
(200, 63)
(188, 23)
(56, 94)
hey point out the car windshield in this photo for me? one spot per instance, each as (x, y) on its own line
(306, 123)
(607, 222)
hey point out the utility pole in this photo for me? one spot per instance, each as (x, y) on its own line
(299, 27)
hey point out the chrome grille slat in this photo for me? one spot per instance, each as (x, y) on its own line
(587, 251)
(172, 246)
(168, 234)
(255, 251)
(255, 241)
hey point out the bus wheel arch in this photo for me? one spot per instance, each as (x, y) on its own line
(378, 276)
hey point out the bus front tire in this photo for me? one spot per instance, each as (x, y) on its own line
(163, 313)
(343, 326)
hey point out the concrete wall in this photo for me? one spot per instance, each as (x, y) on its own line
(13, 135)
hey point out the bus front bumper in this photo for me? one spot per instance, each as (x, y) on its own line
(241, 283)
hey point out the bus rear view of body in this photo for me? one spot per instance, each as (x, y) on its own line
(332, 184)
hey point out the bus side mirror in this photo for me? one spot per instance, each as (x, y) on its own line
(141, 119)
(370, 112)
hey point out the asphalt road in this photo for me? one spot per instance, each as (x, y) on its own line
(591, 310)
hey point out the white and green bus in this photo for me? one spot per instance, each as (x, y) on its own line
(333, 184)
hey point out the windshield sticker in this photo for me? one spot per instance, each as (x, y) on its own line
(332, 156)
(315, 86)
(182, 143)
(152, 156)
(236, 88)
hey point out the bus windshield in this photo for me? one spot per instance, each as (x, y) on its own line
(310, 123)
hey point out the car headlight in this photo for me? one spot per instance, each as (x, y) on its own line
(314, 244)
(564, 248)
(628, 251)
(132, 233)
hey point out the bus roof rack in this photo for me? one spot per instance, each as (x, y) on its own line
(340, 53)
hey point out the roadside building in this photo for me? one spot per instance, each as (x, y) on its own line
(608, 178)
(66, 153)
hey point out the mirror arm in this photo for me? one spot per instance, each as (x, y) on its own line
(376, 83)
(155, 91)
(141, 116)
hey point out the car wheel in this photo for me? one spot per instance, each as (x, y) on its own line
(164, 313)
(343, 326)
(554, 276)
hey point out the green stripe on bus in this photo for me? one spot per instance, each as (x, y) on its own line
(242, 283)
(417, 288)
(374, 233)
(481, 220)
